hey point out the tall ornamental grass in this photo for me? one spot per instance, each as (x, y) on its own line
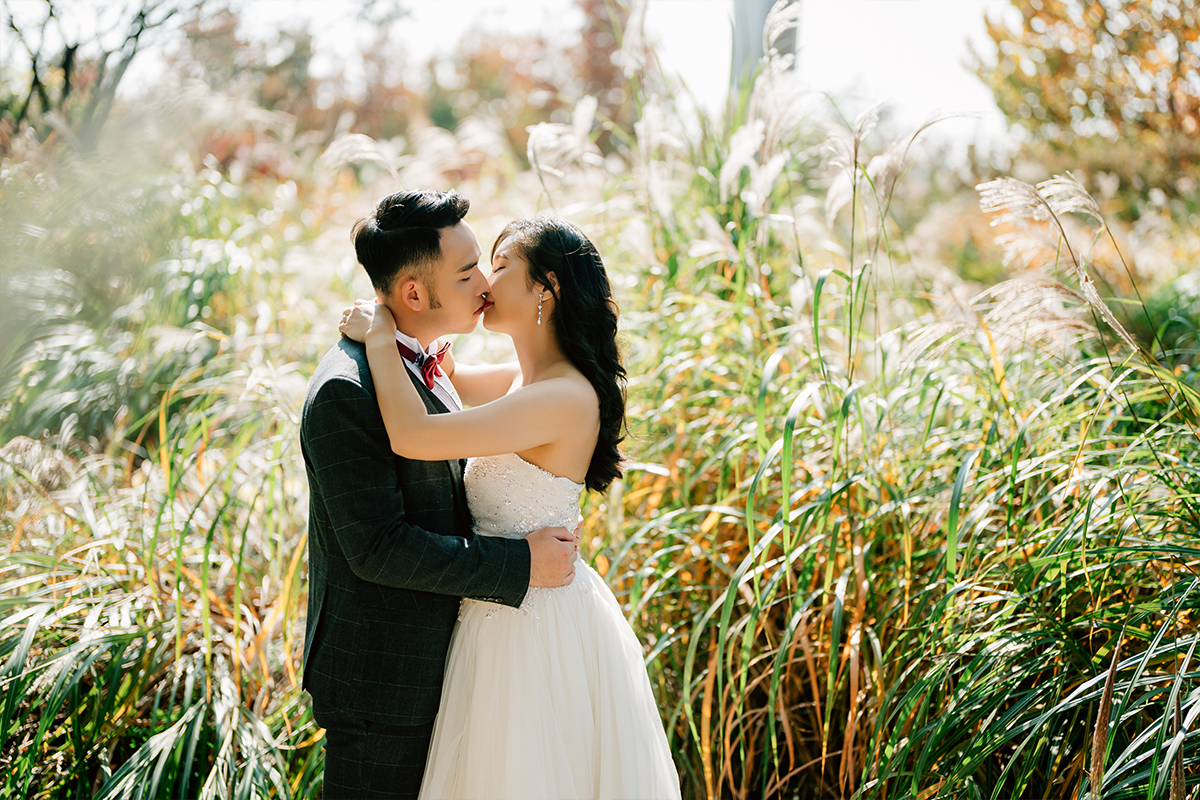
(152, 499)
(884, 533)
(879, 548)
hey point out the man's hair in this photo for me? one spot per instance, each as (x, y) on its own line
(403, 237)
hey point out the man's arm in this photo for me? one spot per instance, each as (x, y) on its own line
(477, 384)
(347, 447)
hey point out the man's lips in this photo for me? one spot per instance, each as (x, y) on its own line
(486, 305)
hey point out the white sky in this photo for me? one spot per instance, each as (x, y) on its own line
(907, 53)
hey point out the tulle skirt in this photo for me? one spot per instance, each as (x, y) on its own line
(548, 702)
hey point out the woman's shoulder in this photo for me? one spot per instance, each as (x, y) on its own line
(567, 385)
(573, 387)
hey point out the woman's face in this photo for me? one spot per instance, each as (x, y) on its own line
(513, 301)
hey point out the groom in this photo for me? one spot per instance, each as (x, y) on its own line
(390, 545)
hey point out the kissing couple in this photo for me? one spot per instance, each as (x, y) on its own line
(456, 644)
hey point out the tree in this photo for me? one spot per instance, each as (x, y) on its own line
(1108, 85)
(73, 81)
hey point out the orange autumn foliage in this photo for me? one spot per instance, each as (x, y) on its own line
(1107, 85)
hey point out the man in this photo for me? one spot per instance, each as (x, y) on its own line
(390, 544)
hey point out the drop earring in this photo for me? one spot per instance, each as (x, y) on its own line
(539, 308)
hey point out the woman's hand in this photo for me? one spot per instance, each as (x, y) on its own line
(357, 319)
(365, 319)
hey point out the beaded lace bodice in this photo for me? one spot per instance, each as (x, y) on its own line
(510, 497)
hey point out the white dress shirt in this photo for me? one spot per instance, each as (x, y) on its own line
(443, 389)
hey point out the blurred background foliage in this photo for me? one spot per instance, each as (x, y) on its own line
(1108, 89)
(911, 507)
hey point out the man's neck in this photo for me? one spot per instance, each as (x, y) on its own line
(406, 324)
(424, 338)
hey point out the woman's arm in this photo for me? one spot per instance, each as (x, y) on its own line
(476, 384)
(345, 457)
(532, 416)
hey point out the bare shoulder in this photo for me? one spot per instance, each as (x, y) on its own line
(565, 385)
(570, 389)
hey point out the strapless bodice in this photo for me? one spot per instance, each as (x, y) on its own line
(510, 497)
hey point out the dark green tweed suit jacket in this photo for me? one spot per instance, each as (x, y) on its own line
(390, 553)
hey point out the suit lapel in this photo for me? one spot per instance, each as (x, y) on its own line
(432, 402)
(435, 406)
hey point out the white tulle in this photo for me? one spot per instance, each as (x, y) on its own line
(549, 701)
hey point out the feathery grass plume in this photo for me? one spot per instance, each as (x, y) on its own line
(714, 245)
(843, 157)
(865, 124)
(356, 148)
(1026, 245)
(657, 150)
(1064, 194)
(744, 145)
(885, 170)
(485, 135)
(839, 157)
(547, 143)
(1012, 200)
(1017, 202)
(783, 16)
(774, 117)
(554, 145)
(880, 179)
(1088, 287)
(654, 139)
(433, 154)
(1034, 311)
(762, 183)
(1012, 314)
(778, 98)
(634, 50)
(1100, 737)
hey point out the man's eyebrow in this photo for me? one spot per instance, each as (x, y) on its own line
(468, 267)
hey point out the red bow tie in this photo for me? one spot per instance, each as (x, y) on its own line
(426, 361)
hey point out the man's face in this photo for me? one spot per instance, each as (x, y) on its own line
(458, 285)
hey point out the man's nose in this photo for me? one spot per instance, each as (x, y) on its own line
(482, 284)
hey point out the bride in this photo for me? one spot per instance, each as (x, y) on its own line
(549, 700)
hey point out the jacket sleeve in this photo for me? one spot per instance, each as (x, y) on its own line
(347, 448)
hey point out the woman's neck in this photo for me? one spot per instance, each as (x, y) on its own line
(538, 354)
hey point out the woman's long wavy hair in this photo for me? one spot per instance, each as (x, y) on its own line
(584, 319)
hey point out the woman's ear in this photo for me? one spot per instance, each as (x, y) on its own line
(552, 283)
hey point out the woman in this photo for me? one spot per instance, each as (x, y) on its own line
(550, 700)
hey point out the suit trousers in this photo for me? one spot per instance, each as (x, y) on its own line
(365, 759)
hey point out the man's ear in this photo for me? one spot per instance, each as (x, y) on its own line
(412, 294)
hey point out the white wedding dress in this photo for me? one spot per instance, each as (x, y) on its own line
(548, 701)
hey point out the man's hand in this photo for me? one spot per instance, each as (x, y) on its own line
(552, 556)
